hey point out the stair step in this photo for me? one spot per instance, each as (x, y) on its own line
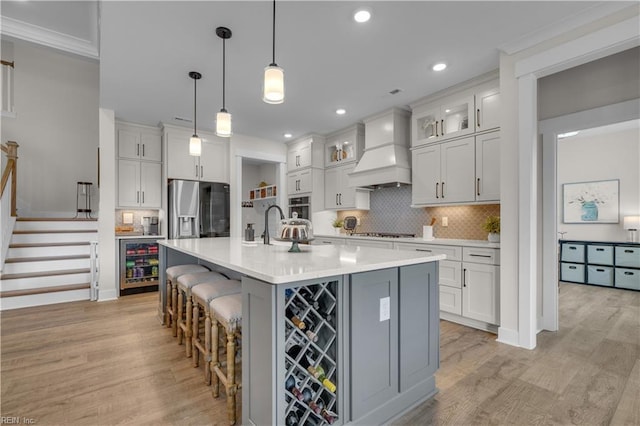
(44, 258)
(55, 219)
(44, 273)
(44, 281)
(28, 245)
(43, 251)
(28, 237)
(43, 290)
(56, 225)
(17, 302)
(46, 265)
(53, 231)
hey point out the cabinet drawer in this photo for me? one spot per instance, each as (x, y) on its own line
(572, 272)
(572, 252)
(627, 278)
(628, 256)
(600, 275)
(450, 273)
(452, 252)
(481, 255)
(451, 300)
(600, 255)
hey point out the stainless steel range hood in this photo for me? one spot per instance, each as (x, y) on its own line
(386, 159)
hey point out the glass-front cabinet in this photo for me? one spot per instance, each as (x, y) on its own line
(451, 118)
(344, 146)
(139, 263)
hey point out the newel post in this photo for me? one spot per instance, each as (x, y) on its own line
(12, 154)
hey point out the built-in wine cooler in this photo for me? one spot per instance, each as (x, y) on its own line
(311, 355)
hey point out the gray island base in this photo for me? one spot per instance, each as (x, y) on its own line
(333, 335)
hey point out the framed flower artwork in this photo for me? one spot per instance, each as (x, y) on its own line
(591, 202)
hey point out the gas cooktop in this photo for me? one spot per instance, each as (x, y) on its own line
(383, 235)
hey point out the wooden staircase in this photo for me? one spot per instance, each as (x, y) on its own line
(48, 262)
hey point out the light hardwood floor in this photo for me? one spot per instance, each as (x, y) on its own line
(87, 363)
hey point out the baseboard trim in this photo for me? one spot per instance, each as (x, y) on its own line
(508, 336)
(106, 295)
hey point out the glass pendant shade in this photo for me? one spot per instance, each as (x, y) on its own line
(195, 146)
(273, 87)
(223, 124)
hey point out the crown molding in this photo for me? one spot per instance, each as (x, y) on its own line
(565, 25)
(35, 34)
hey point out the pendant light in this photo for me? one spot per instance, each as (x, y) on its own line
(223, 118)
(195, 143)
(273, 86)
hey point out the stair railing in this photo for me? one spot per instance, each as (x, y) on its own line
(8, 198)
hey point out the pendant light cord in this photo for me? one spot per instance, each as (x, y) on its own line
(273, 62)
(195, 115)
(224, 55)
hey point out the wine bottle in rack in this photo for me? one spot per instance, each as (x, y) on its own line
(307, 394)
(329, 416)
(307, 295)
(290, 385)
(316, 406)
(318, 373)
(292, 314)
(293, 418)
(304, 359)
(311, 329)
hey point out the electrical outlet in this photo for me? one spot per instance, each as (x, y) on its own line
(445, 221)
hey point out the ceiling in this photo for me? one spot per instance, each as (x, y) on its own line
(147, 49)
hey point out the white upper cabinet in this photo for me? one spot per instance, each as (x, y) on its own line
(139, 143)
(435, 122)
(211, 166)
(338, 195)
(305, 152)
(345, 146)
(488, 109)
(444, 173)
(139, 184)
(488, 167)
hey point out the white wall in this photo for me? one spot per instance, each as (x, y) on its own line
(56, 102)
(252, 175)
(607, 155)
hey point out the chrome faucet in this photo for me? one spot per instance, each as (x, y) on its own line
(266, 222)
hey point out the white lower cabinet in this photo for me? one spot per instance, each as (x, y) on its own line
(468, 281)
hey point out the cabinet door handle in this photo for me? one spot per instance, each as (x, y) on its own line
(599, 249)
(437, 184)
(479, 255)
(336, 199)
(478, 117)
(196, 170)
(437, 128)
(599, 270)
(442, 127)
(572, 267)
(464, 277)
(143, 150)
(340, 198)
(201, 171)
(442, 190)
(478, 187)
(137, 196)
(628, 251)
(142, 197)
(327, 242)
(572, 248)
(428, 251)
(628, 273)
(137, 149)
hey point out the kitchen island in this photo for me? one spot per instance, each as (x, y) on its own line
(367, 317)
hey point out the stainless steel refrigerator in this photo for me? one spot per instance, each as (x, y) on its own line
(198, 209)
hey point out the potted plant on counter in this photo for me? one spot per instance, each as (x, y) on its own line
(492, 226)
(337, 224)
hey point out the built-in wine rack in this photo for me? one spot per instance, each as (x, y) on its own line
(311, 355)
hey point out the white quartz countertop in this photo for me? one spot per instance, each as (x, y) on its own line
(439, 241)
(275, 265)
(136, 237)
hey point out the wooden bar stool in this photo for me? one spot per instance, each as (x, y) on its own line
(173, 273)
(201, 295)
(226, 312)
(185, 283)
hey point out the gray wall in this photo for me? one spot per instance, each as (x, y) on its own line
(607, 81)
(56, 102)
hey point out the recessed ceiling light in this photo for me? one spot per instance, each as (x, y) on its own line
(439, 67)
(341, 111)
(288, 135)
(362, 16)
(567, 135)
